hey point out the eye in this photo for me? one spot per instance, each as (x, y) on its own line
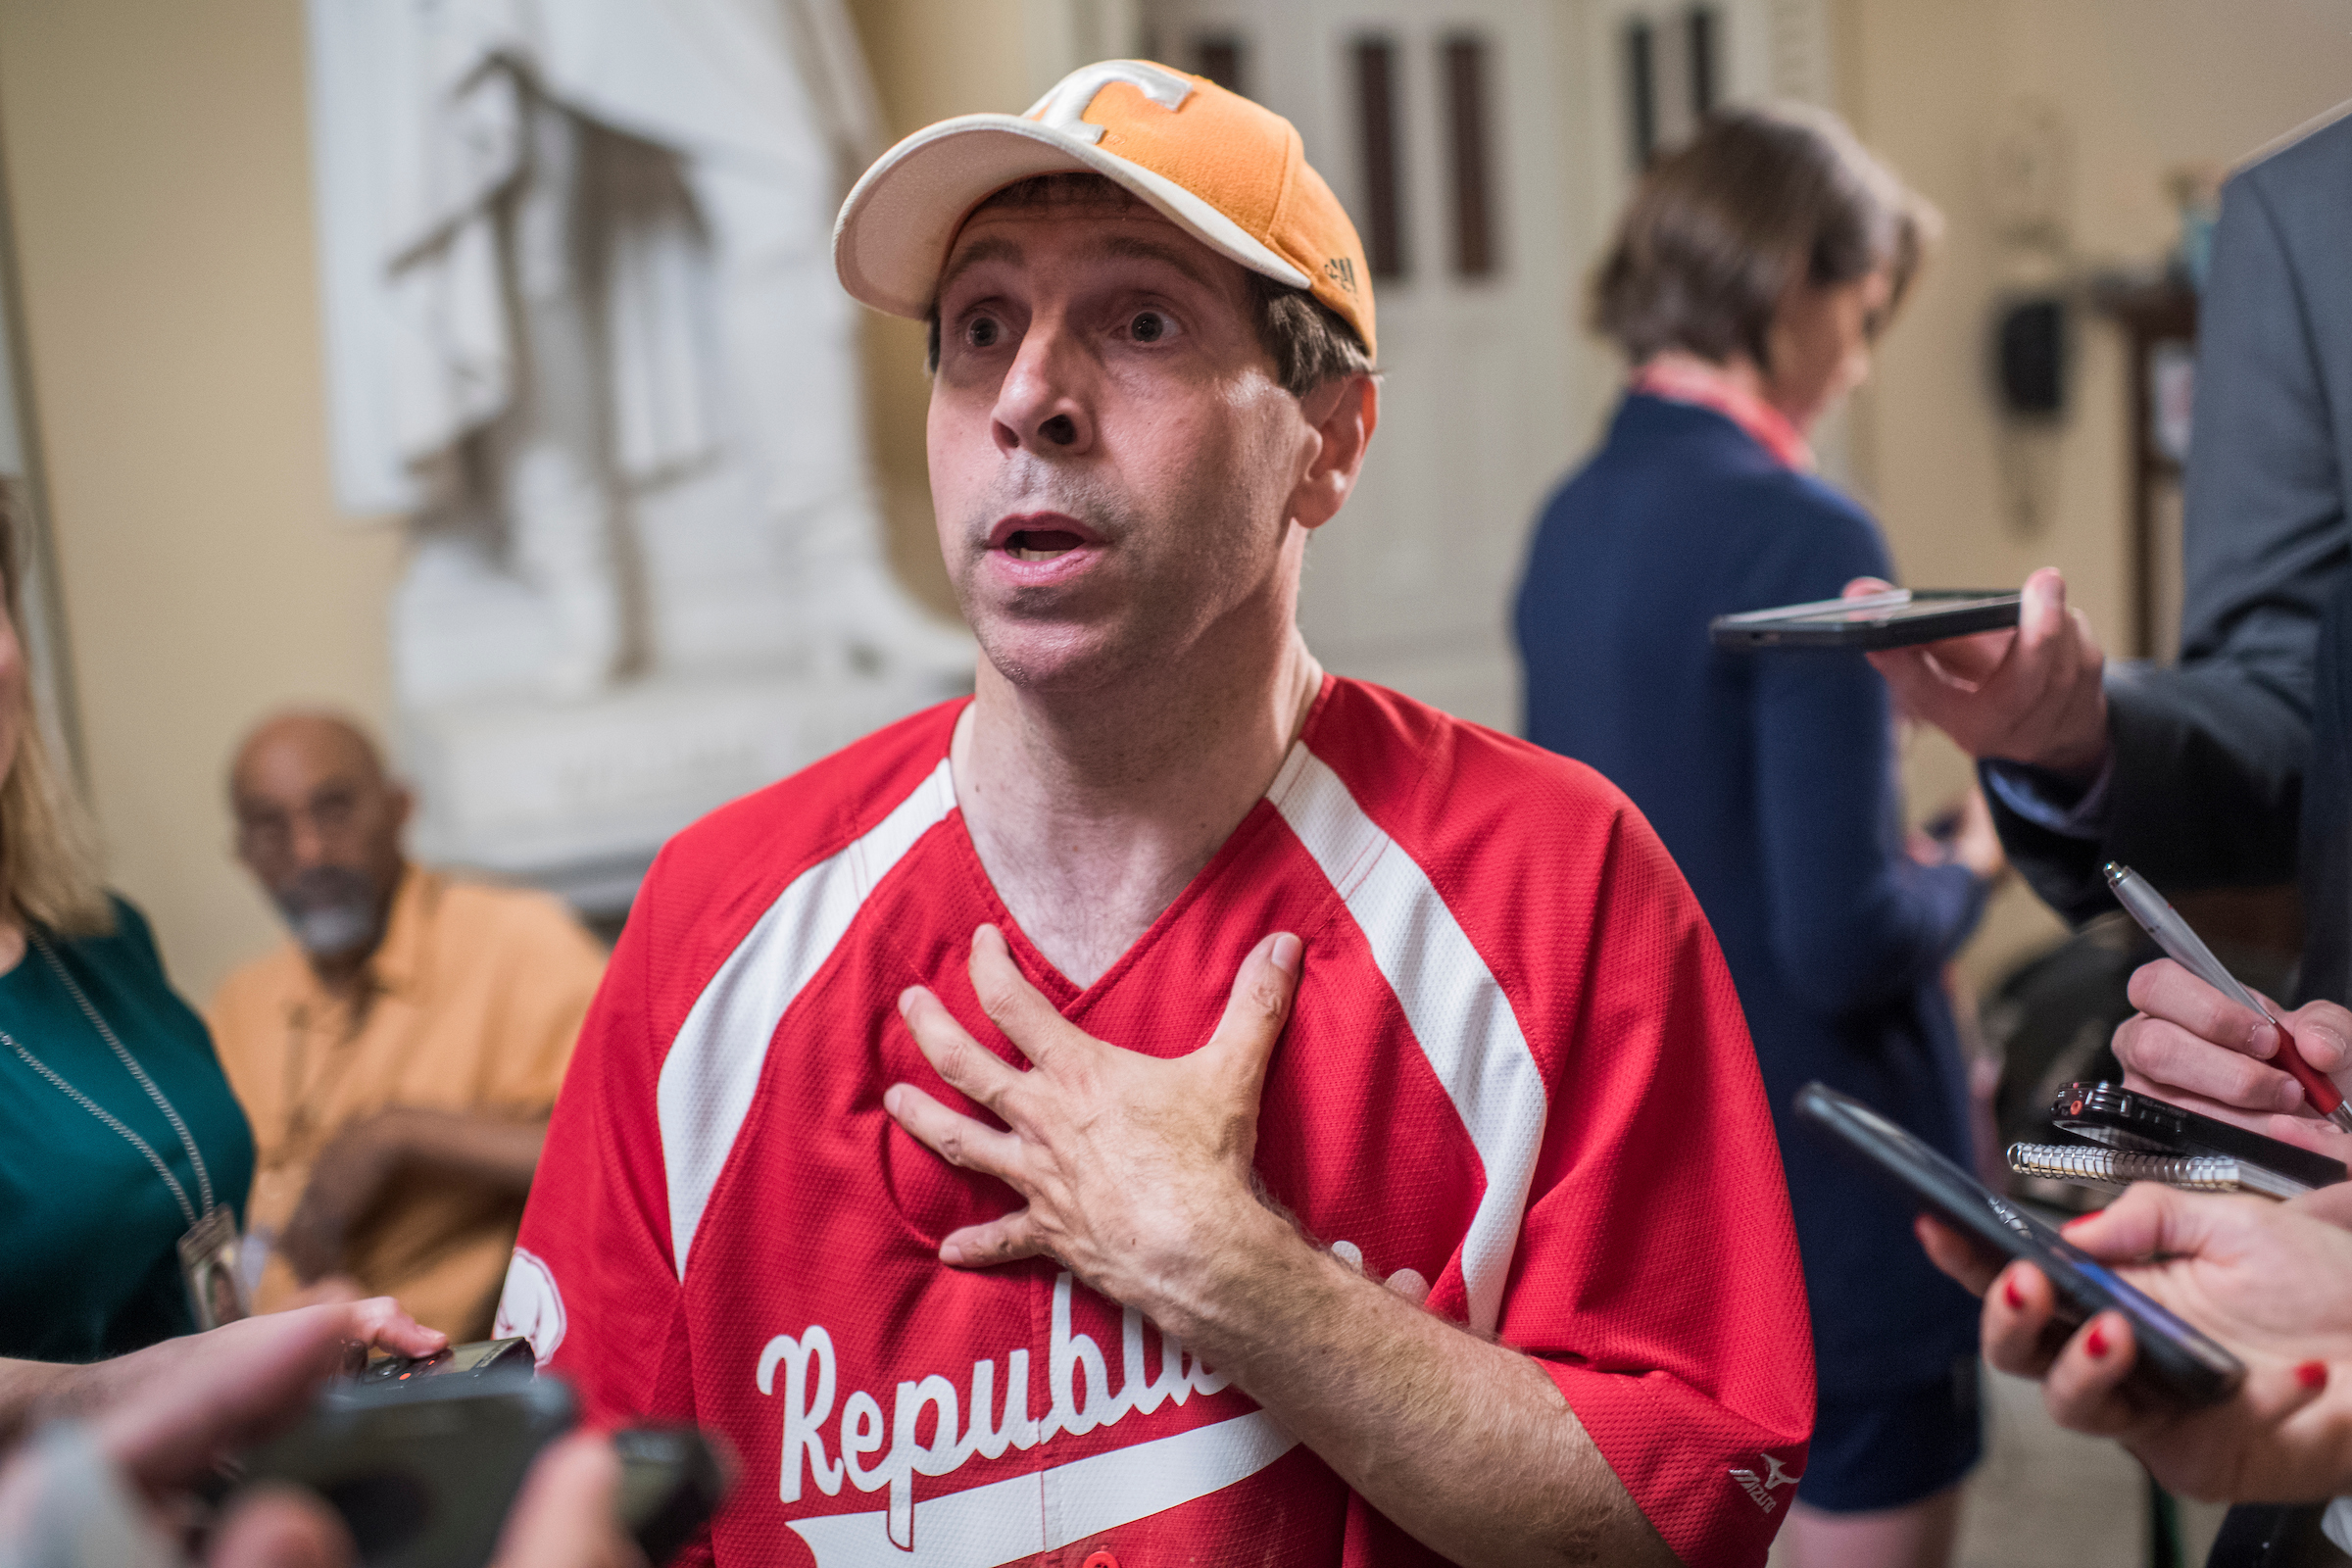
(1148, 326)
(981, 332)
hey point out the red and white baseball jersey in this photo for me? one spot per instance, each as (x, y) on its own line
(1515, 1066)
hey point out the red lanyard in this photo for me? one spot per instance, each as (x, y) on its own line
(1680, 381)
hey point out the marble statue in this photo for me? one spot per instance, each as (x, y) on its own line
(583, 335)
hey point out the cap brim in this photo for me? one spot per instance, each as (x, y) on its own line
(893, 233)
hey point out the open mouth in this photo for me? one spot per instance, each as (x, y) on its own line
(1042, 544)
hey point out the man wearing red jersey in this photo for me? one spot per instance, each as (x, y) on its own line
(918, 1142)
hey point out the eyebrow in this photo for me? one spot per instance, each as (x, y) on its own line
(995, 248)
(1154, 251)
(998, 248)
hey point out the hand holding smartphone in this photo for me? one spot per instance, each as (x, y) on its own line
(2178, 1367)
(424, 1459)
(1899, 618)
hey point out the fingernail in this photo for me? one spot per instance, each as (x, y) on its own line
(2013, 1296)
(890, 1100)
(2095, 1342)
(950, 1254)
(906, 1001)
(1284, 954)
(2333, 1049)
(2312, 1375)
(2290, 1096)
(2262, 1042)
(2082, 1219)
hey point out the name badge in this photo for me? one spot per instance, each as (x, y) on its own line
(208, 1264)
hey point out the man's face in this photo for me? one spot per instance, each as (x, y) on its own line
(318, 825)
(1111, 455)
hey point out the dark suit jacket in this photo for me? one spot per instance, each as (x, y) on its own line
(2210, 757)
(2326, 858)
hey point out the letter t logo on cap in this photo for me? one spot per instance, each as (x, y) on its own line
(1065, 106)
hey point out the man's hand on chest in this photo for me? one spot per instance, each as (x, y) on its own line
(1135, 1171)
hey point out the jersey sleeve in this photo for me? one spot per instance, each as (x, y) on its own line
(592, 1283)
(1657, 1277)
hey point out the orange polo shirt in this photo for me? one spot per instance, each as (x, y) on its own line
(475, 1000)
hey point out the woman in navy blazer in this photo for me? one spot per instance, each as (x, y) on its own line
(1748, 276)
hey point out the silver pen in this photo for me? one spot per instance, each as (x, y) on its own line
(2181, 945)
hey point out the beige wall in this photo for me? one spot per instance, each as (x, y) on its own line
(2142, 86)
(156, 167)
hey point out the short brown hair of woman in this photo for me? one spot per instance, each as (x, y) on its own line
(1761, 198)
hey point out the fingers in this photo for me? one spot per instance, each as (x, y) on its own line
(2304, 1130)
(564, 1517)
(1864, 587)
(1919, 687)
(2172, 1062)
(382, 1323)
(253, 1377)
(2332, 1204)
(951, 1135)
(2016, 1327)
(1012, 1002)
(2152, 1219)
(2165, 991)
(953, 1053)
(2323, 1034)
(2083, 1387)
(2031, 664)
(1001, 1241)
(1951, 1253)
(1257, 1008)
(280, 1527)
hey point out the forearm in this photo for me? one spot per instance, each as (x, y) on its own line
(33, 1391)
(1466, 1444)
(493, 1152)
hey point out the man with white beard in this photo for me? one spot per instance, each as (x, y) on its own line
(398, 1053)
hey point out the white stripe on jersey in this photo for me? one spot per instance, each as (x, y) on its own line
(1458, 1013)
(1026, 1514)
(714, 1065)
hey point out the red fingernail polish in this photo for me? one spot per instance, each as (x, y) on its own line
(2013, 1296)
(2312, 1374)
(2095, 1342)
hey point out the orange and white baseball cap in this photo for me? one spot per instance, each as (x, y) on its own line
(1231, 173)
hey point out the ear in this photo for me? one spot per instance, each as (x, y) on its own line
(1341, 413)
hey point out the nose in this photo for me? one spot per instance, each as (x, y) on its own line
(306, 841)
(1042, 404)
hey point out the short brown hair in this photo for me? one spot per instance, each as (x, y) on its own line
(1720, 228)
(1310, 342)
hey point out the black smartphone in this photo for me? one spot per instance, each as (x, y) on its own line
(422, 1471)
(2176, 1366)
(482, 1361)
(2124, 1119)
(672, 1480)
(1897, 618)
